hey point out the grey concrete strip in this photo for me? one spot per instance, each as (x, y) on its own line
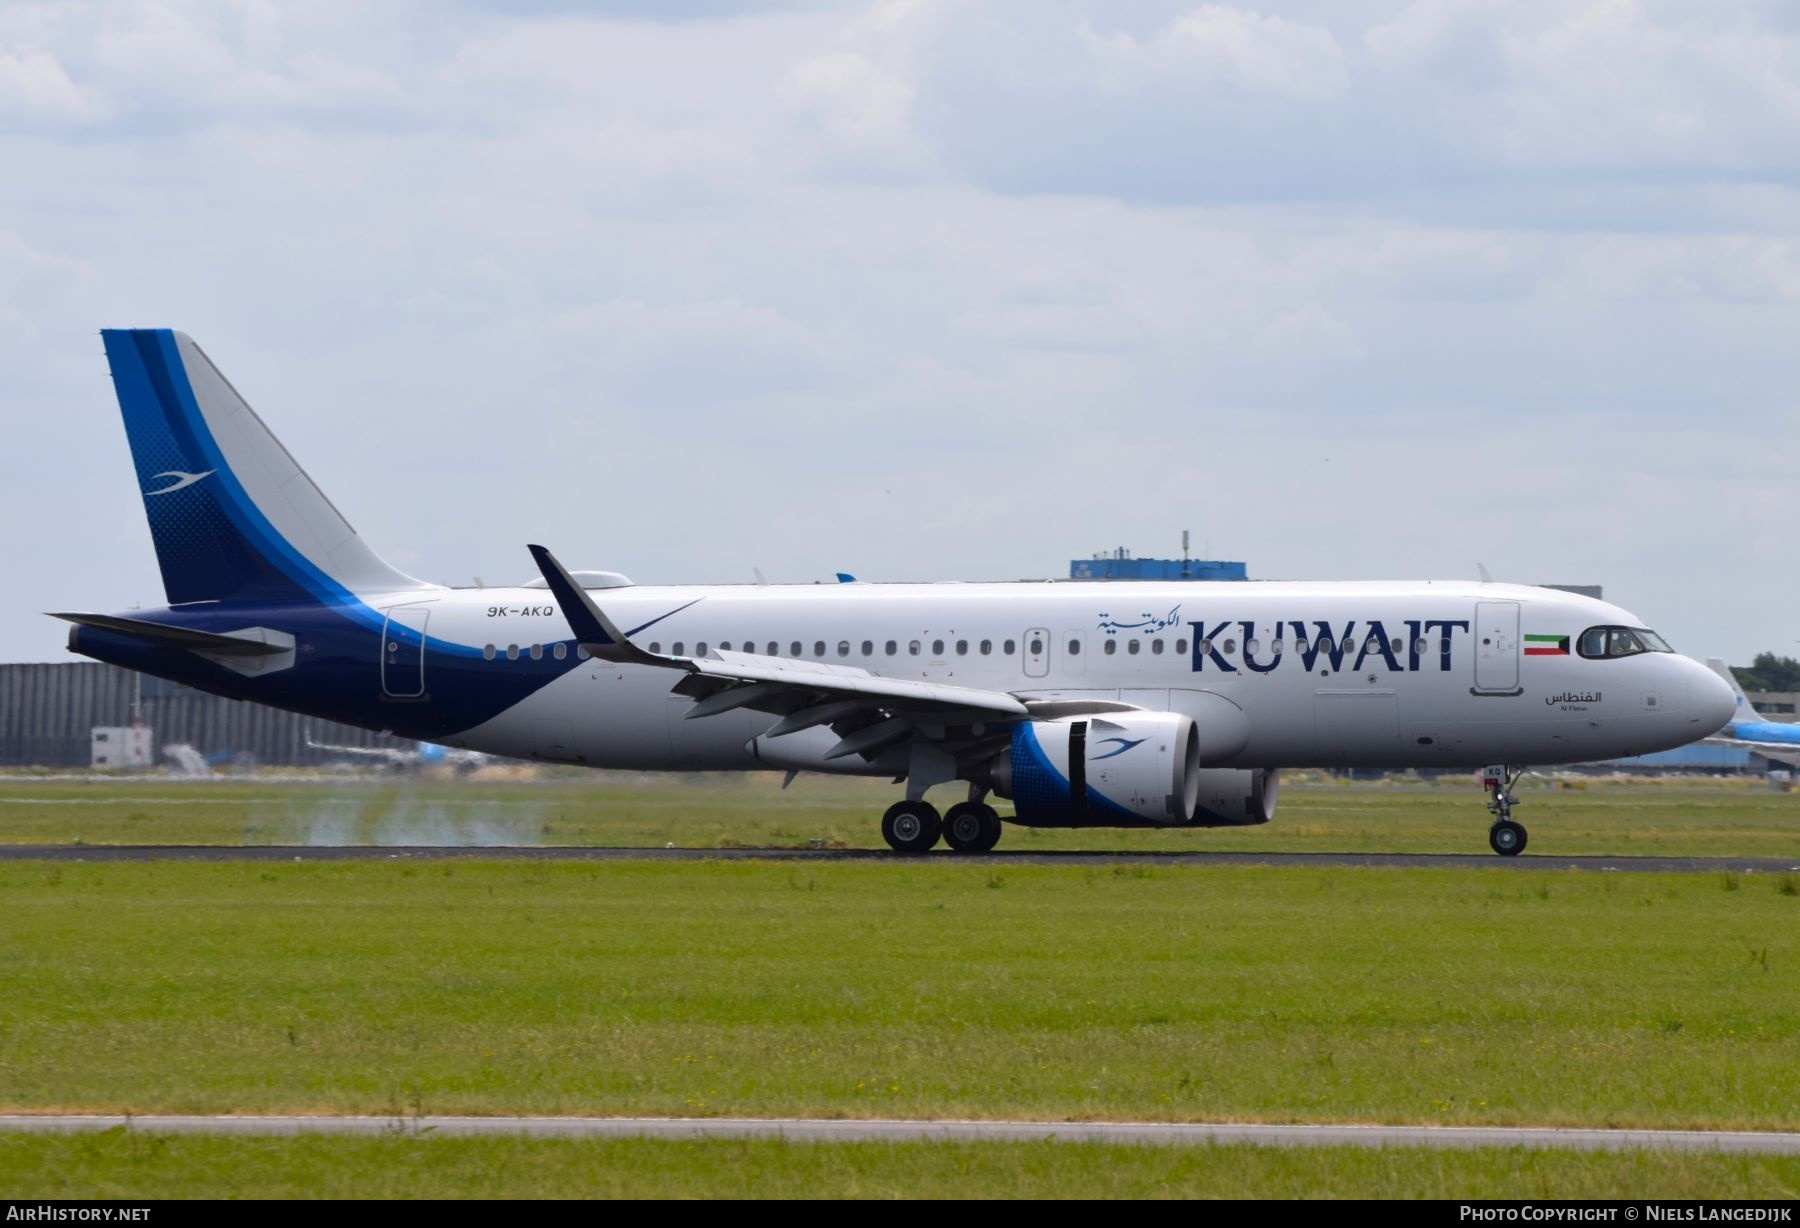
(836, 1130)
(365, 852)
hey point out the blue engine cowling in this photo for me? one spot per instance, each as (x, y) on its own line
(1139, 769)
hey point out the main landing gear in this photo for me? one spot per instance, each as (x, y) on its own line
(1506, 837)
(914, 827)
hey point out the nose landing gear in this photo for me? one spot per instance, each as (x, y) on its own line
(1506, 837)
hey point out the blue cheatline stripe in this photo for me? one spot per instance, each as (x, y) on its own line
(168, 377)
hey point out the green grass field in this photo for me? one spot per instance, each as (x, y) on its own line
(935, 988)
(1674, 817)
(121, 1165)
(903, 989)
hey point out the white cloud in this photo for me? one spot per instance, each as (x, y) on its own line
(854, 103)
(1239, 48)
(853, 284)
(33, 84)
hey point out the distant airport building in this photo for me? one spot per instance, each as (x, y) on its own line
(84, 714)
(1119, 565)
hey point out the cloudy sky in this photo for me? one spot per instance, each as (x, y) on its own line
(931, 290)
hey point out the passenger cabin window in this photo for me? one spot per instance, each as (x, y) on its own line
(868, 648)
(818, 648)
(912, 646)
(560, 651)
(487, 651)
(675, 649)
(794, 649)
(774, 649)
(700, 649)
(892, 647)
(1112, 646)
(937, 648)
(1619, 642)
(512, 652)
(582, 653)
(843, 648)
(987, 647)
(1181, 646)
(1006, 649)
(1037, 647)
(1133, 646)
(1156, 647)
(1074, 647)
(655, 647)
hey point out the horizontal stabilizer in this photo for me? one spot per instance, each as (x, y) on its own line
(165, 636)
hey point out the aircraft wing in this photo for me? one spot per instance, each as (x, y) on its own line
(389, 753)
(868, 711)
(1791, 748)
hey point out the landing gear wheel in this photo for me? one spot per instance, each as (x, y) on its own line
(911, 827)
(971, 827)
(1507, 838)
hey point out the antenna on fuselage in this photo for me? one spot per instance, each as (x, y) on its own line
(1482, 571)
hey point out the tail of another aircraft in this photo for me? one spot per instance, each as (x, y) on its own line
(1743, 711)
(232, 515)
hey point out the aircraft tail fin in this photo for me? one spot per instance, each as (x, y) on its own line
(1743, 712)
(231, 513)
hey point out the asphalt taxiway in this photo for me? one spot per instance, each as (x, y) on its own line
(368, 852)
(853, 1130)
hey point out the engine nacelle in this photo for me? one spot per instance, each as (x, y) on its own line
(1233, 797)
(1137, 769)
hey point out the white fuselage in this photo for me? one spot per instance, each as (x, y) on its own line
(1385, 674)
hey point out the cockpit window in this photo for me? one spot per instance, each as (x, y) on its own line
(1619, 642)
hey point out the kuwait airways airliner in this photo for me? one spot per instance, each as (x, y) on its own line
(1085, 704)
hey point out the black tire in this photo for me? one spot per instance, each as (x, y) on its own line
(970, 827)
(990, 829)
(911, 827)
(1507, 838)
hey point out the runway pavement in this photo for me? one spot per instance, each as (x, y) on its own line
(363, 852)
(839, 1130)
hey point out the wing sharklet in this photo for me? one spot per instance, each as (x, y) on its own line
(593, 629)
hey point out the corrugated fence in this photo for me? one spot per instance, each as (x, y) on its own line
(47, 713)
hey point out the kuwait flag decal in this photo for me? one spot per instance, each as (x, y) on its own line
(1546, 645)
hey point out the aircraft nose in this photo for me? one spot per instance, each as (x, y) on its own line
(1710, 702)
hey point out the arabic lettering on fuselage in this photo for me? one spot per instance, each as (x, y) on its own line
(1148, 623)
(1324, 646)
(1574, 697)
